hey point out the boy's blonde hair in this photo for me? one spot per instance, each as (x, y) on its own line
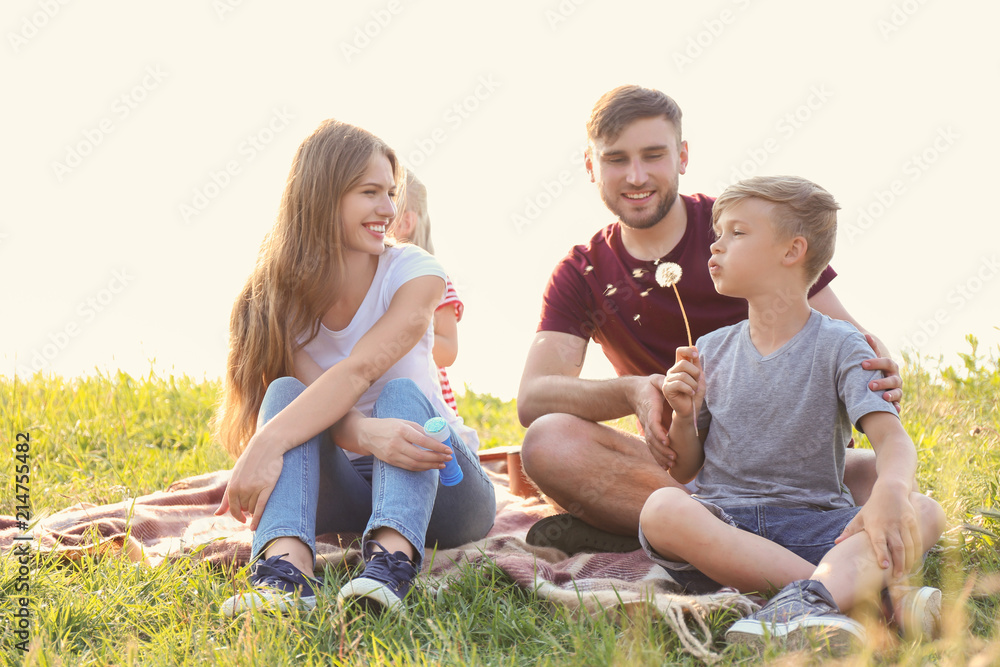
(415, 200)
(802, 208)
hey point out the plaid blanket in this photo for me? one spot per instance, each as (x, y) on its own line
(179, 523)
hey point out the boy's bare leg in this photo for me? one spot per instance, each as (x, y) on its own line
(859, 474)
(850, 570)
(680, 528)
(595, 472)
(578, 464)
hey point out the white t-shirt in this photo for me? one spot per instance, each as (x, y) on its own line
(396, 266)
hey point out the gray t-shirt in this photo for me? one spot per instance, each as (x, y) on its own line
(778, 426)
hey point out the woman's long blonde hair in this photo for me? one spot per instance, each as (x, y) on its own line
(298, 274)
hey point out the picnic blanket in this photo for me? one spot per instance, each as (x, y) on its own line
(180, 523)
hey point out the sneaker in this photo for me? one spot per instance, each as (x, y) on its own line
(800, 613)
(278, 586)
(384, 583)
(573, 535)
(918, 614)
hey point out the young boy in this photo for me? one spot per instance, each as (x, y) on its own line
(775, 397)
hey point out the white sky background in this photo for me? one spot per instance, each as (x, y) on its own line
(101, 270)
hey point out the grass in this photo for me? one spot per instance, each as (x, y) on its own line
(103, 438)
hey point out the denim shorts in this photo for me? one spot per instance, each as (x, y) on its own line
(808, 533)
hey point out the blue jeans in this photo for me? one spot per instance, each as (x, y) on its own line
(808, 533)
(321, 491)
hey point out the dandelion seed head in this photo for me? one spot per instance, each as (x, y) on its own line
(668, 274)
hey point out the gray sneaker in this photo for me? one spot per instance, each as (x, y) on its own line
(799, 615)
(918, 613)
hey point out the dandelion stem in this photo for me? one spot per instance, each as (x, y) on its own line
(687, 327)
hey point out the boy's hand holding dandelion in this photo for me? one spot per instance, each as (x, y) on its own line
(684, 384)
(684, 390)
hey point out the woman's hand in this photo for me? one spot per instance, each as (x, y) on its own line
(253, 479)
(402, 443)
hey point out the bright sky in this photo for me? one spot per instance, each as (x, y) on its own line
(145, 151)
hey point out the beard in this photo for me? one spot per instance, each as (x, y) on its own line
(640, 220)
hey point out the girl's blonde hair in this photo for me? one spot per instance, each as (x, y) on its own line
(298, 275)
(416, 201)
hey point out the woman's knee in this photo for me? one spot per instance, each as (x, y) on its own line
(400, 395)
(279, 394)
(401, 388)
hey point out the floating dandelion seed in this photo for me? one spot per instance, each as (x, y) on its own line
(610, 290)
(636, 319)
(668, 274)
(637, 273)
(646, 292)
(588, 269)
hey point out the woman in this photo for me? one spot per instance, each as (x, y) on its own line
(329, 378)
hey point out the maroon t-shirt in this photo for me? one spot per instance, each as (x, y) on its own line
(600, 291)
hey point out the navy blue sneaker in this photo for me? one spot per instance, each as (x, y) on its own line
(278, 586)
(802, 613)
(384, 583)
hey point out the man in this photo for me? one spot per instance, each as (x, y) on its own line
(606, 290)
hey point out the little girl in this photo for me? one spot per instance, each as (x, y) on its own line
(413, 225)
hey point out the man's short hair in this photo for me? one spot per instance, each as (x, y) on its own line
(802, 208)
(618, 108)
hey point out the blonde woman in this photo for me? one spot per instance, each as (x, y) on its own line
(329, 379)
(413, 225)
